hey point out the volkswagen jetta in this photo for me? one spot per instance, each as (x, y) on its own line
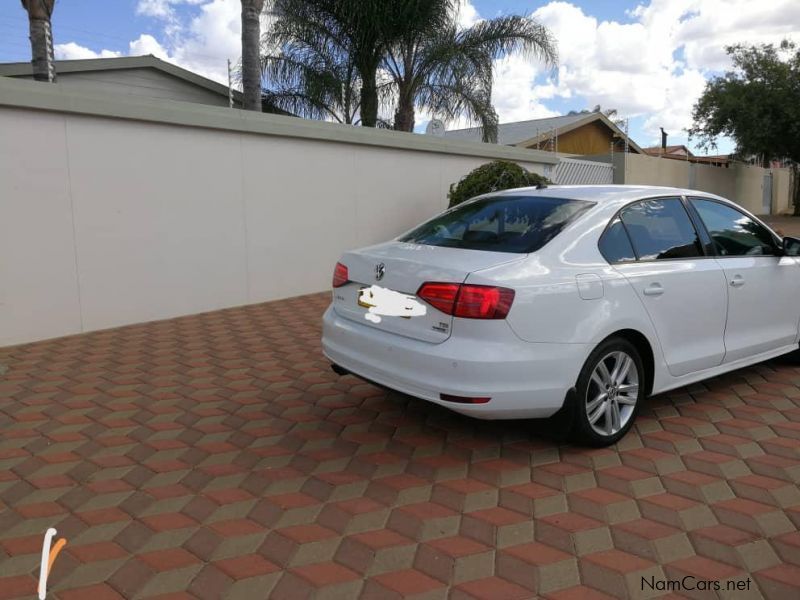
(519, 303)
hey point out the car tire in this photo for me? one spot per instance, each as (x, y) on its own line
(609, 393)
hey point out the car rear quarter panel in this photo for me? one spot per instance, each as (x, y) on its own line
(548, 305)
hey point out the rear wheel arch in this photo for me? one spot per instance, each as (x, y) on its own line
(645, 349)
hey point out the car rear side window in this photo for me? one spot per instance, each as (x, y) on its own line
(615, 245)
(519, 224)
(733, 232)
(661, 230)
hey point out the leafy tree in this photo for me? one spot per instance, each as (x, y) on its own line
(757, 104)
(491, 177)
(251, 44)
(41, 34)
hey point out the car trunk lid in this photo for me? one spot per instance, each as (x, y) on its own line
(404, 268)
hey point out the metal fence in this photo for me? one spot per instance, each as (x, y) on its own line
(571, 171)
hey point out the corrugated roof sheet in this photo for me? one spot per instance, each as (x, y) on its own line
(514, 133)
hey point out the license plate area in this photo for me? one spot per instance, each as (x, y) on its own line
(389, 302)
(362, 293)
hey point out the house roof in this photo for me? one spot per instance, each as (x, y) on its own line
(658, 150)
(514, 133)
(21, 69)
(538, 130)
(681, 152)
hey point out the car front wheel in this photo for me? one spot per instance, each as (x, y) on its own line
(609, 392)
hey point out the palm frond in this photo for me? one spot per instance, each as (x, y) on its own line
(511, 34)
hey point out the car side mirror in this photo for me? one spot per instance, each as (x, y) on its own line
(791, 246)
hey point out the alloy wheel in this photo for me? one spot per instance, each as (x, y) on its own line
(612, 393)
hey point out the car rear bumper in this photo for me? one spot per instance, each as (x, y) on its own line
(523, 379)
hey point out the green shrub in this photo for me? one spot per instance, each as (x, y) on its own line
(491, 177)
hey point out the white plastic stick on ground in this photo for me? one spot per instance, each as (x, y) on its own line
(48, 536)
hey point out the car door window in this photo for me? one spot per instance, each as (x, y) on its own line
(661, 230)
(615, 245)
(732, 231)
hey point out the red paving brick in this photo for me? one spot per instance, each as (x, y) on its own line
(218, 456)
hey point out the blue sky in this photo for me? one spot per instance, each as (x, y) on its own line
(648, 59)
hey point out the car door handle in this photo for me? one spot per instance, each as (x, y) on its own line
(654, 289)
(737, 281)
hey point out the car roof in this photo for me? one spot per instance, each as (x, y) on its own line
(613, 194)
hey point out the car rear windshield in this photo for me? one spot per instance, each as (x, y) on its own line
(518, 224)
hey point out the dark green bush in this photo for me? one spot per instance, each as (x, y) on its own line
(493, 176)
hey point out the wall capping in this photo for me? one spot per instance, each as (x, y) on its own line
(22, 94)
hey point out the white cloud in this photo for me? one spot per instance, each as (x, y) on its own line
(147, 44)
(73, 51)
(513, 94)
(714, 24)
(162, 9)
(210, 39)
(144, 44)
(154, 8)
(201, 41)
(467, 15)
(656, 65)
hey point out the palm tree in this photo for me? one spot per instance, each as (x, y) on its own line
(251, 63)
(320, 88)
(41, 34)
(352, 30)
(326, 53)
(449, 71)
(311, 75)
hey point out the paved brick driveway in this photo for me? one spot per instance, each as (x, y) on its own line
(217, 456)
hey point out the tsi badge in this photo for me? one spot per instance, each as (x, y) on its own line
(380, 271)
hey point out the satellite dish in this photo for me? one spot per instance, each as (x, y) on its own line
(435, 127)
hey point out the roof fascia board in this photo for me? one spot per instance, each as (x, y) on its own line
(123, 63)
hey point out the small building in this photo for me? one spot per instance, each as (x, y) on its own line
(681, 152)
(137, 76)
(579, 134)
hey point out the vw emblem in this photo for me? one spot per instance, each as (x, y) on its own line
(380, 271)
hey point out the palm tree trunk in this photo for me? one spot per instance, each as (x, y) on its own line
(251, 61)
(404, 117)
(369, 97)
(42, 50)
(41, 36)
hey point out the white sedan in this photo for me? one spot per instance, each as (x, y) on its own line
(521, 303)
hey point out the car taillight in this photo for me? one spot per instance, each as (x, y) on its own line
(340, 275)
(483, 302)
(468, 301)
(439, 295)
